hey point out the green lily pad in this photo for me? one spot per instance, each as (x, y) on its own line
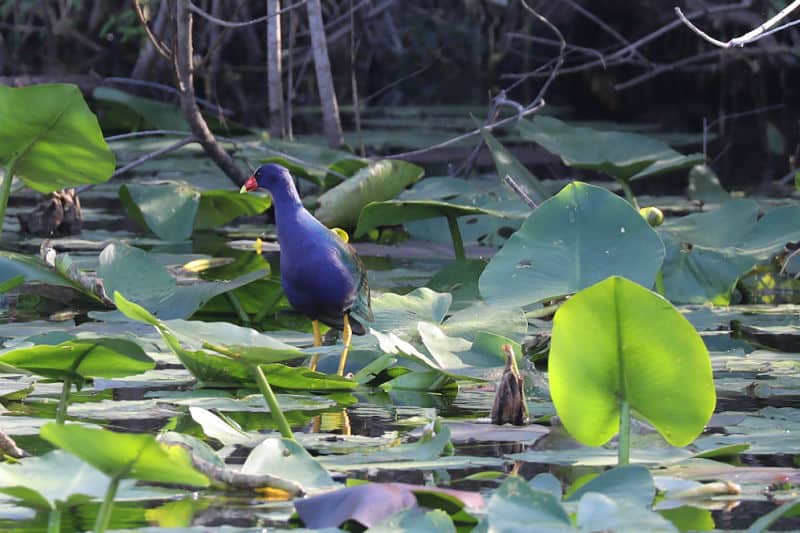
(173, 209)
(634, 348)
(287, 459)
(152, 113)
(126, 455)
(52, 137)
(381, 180)
(622, 155)
(575, 239)
(81, 358)
(708, 252)
(395, 212)
(56, 479)
(138, 275)
(515, 506)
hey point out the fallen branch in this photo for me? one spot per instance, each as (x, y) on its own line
(234, 479)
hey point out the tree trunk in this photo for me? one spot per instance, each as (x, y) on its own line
(185, 82)
(322, 65)
(277, 126)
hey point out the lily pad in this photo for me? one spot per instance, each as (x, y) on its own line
(81, 358)
(173, 209)
(707, 252)
(575, 239)
(622, 155)
(56, 479)
(141, 278)
(381, 180)
(126, 455)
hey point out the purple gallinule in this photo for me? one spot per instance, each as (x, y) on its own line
(321, 274)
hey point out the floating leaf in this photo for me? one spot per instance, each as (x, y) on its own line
(575, 239)
(287, 459)
(382, 180)
(634, 348)
(143, 279)
(126, 455)
(622, 155)
(395, 212)
(707, 252)
(81, 358)
(56, 479)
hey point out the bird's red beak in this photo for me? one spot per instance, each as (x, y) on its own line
(250, 185)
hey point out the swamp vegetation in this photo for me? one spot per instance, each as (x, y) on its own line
(618, 292)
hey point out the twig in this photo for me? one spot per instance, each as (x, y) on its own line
(229, 24)
(396, 82)
(532, 108)
(749, 37)
(145, 133)
(147, 157)
(166, 88)
(152, 155)
(517, 188)
(160, 47)
(689, 61)
(489, 127)
(620, 55)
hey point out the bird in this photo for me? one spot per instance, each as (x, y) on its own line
(321, 274)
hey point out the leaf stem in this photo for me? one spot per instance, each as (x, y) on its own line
(5, 191)
(104, 513)
(63, 401)
(272, 402)
(455, 234)
(626, 188)
(624, 444)
(54, 521)
(237, 306)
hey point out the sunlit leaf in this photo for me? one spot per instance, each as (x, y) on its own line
(633, 347)
(52, 136)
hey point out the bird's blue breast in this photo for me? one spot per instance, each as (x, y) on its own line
(314, 272)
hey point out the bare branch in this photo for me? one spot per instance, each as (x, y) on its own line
(749, 37)
(166, 88)
(185, 79)
(228, 24)
(160, 47)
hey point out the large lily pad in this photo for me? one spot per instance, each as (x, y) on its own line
(382, 180)
(173, 209)
(126, 455)
(395, 212)
(618, 343)
(575, 239)
(625, 156)
(138, 275)
(708, 252)
(81, 358)
(53, 137)
(56, 479)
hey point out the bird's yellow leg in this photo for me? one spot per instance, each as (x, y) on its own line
(347, 336)
(258, 245)
(317, 342)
